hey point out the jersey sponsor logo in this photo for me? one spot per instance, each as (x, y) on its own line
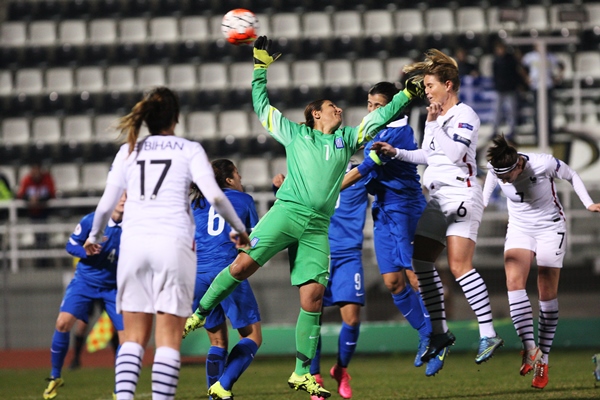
(339, 143)
(254, 241)
(460, 139)
(464, 125)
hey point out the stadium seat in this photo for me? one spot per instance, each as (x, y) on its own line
(495, 22)
(240, 85)
(182, 79)
(103, 36)
(93, 178)
(347, 32)
(285, 28)
(72, 36)
(194, 35)
(59, 88)
(587, 64)
(255, 173)
(6, 84)
(339, 81)
(164, 33)
(77, 136)
(149, 76)
(29, 84)
(234, 131)
(317, 33)
(212, 82)
(15, 139)
(42, 38)
(536, 20)
(439, 27)
(279, 166)
(66, 179)
(410, 31)
(379, 30)
(120, 85)
(566, 60)
(354, 115)
(46, 137)
(202, 127)
(307, 82)
(471, 27)
(13, 38)
(279, 83)
(393, 68)
(106, 138)
(367, 72)
(132, 37)
(486, 65)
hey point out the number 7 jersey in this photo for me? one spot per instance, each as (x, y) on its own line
(157, 176)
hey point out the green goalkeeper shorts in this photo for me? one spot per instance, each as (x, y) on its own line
(304, 231)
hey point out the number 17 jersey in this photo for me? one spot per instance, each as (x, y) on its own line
(157, 176)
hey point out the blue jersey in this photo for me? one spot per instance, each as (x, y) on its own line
(348, 220)
(214, 248)
(101, 269)
(394, 183)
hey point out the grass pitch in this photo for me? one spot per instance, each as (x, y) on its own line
(380, 377)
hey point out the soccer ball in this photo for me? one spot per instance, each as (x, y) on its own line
(240, 26)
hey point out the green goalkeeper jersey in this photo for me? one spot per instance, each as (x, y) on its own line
(316, 161)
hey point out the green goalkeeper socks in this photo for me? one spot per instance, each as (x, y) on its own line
(219, 289)
(308, 330)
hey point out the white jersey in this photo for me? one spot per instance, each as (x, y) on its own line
(532, 198)
(157, 176)
(450, 144)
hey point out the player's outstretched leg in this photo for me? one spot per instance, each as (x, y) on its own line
(487, 346)
(540, 375)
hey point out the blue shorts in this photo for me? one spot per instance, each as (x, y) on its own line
(393, 236)
(240, 306)
(79, 300)
(346, 280)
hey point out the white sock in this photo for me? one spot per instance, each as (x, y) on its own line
(165, 373)
(432, 293)
(476, 293)
(127, 369)
(522, 317)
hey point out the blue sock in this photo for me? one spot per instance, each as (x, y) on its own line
(410, 305)
(239, 359)
(215, 364)
(315, 364)
(58, 351)
(347, 343)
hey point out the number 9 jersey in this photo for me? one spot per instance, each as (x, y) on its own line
(157, 176)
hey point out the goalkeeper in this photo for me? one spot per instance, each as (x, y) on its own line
(318, 152)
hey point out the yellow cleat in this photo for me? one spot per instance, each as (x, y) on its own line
(309, 384)
(217, 392)
(193, 322)
(52, 389)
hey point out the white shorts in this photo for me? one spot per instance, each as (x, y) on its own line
(452, 211)
(549, 245)
(156, 274)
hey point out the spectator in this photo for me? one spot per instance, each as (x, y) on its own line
(532, 63)
(465, 66)
(37, 188)
(508, 76)
(5, 191)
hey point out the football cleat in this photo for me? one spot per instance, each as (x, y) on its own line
(340, 374)
(52, 389)
(596, 360)
(193, 322)
(540, 375)
(530, 358)
(437, 344)
(436, 364)
(487, 346)
(307, 383)
(217, 392)
(423, 343)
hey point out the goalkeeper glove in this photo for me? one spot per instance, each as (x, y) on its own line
(262, 53)
(413, 87)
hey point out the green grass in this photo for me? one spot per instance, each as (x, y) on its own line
(373, 377)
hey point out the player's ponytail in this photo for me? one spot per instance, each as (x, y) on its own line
(159, 109)
(501, 154)
(442, 66)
